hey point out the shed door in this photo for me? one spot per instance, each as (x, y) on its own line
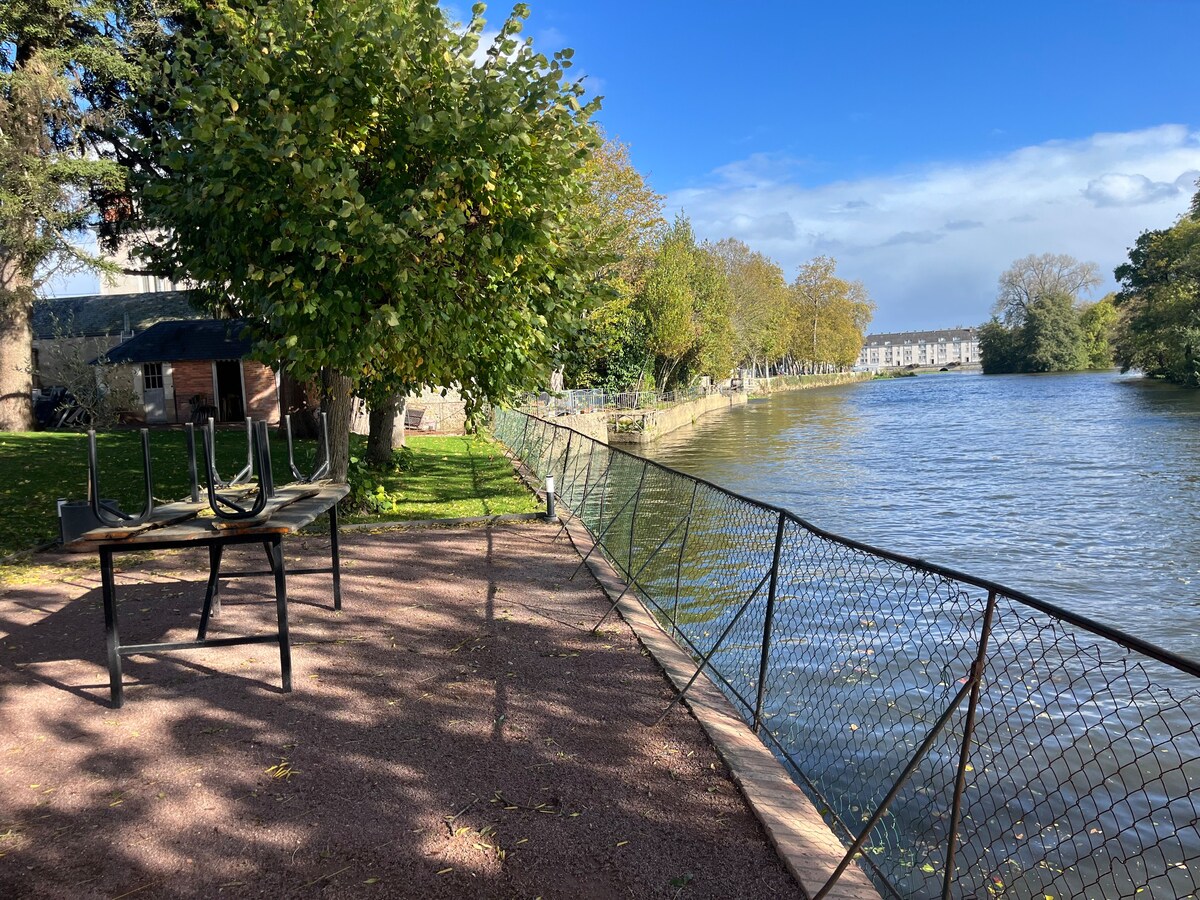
(153, 395)
(229, 390)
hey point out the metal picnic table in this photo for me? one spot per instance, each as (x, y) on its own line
(178, 525)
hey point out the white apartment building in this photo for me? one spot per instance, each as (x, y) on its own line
(923, 349)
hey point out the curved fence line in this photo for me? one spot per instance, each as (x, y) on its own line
(963, 739)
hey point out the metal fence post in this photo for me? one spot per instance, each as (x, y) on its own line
(960, 782)
(633, 517)
(566, 462)
(524, 438)
(550, 452)
(768, 619)
(687, 529)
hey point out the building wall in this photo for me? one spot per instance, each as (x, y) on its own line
(262, 392)
(123, 283)
(190, 377)
(925, 349)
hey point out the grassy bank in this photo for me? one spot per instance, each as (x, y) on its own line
(444, 477)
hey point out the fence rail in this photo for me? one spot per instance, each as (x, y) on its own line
(963, 739)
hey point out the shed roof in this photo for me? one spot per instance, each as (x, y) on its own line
(97, 314)
(193, 339)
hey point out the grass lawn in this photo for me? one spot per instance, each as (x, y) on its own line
(448, 477)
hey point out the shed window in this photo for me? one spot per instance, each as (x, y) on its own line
(152, 376)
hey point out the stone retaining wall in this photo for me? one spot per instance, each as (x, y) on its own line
(642, 427)
(777, 383)
(594, 424)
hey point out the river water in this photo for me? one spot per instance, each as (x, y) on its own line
(1081, 489)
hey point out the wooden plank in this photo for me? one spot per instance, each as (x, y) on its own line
(168, 514)
(270, 510)
(287, 519)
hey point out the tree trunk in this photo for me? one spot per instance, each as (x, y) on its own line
(381, 439)
(335, 402)
(16, 350)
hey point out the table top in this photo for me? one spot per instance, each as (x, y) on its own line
(292, 507)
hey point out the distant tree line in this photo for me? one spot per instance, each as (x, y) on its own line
(673, 309)
(1040, 322)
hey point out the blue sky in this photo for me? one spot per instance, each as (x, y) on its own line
(923, 145)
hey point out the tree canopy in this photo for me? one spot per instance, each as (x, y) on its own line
(65, 68)
(1034, 276)
(349, 179)
(829, 315)
(1158, 330)
(1040, 323)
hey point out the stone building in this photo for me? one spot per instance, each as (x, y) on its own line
(949, 348)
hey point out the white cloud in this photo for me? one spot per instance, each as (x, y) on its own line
(930, 243)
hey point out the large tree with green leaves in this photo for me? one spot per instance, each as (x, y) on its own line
(759, 303)
(67, 69)
(1053, 340)
(1037, 321)
(1159, 302)
(627, 226)
(385, 210)
(1001, 349)
(667, 300)
(1099, 321)
(829, 316)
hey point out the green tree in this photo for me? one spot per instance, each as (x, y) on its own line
(627, 226)
(829, 316)
(667, 300)
(65, 69)
(759, 313)
(1036, 276)
(1098, 321)
(385, 210)
(712, 351)
(1001, 350)
(1158, 330)
(1052, 338)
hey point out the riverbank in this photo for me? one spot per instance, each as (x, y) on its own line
(764, 387)
(647, 426)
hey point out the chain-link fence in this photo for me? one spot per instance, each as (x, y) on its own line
(962, 738)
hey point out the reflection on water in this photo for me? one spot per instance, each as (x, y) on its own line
(1082, 489)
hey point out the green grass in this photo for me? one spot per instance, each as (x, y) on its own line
(448, 477)
(452, 477)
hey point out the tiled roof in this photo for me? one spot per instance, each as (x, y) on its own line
(97, 314)
(913, 337)
(191, 339)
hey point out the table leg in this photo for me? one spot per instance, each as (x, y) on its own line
(212, 596)
(285, 644)
(337, 557)
(112, 640)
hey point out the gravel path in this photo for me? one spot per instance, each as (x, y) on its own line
(454, 732)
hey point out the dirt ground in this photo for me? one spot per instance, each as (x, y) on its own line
(454, 732)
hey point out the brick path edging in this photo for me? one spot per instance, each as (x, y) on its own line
(809, 850)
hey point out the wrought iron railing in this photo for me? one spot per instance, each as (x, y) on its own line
(964, 739)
